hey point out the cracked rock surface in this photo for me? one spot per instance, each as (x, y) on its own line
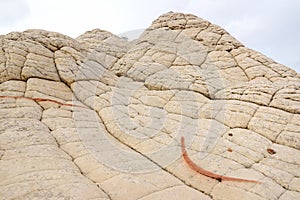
(98, 117)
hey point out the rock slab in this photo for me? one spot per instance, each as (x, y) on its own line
(98, 117)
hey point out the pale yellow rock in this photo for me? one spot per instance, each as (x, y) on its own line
(290, 195)
(269, 122)
(12, 88)
(98, 117)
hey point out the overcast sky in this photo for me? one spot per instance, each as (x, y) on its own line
(269, 26)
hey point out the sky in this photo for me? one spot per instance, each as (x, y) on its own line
(271, 27)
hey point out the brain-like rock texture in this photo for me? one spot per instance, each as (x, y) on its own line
(98, 117)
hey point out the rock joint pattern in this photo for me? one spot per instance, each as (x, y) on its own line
(98, 117)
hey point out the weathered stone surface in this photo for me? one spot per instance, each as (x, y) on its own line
(98, 117)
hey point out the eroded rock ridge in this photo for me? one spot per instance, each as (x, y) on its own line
(98, 117)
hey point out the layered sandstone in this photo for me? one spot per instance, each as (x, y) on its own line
(98, 117)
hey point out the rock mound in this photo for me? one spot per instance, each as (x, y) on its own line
(98, 117)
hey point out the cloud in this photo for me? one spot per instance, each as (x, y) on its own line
(12, 12)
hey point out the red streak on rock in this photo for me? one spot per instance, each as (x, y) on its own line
(42, 99)
(204, 172)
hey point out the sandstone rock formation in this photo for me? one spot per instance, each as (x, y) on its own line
(98, 117)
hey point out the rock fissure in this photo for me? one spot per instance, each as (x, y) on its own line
(116, 111)
(157, 164)
(73, 161)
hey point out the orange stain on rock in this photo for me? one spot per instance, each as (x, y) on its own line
(205, 172)
(43, 99)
